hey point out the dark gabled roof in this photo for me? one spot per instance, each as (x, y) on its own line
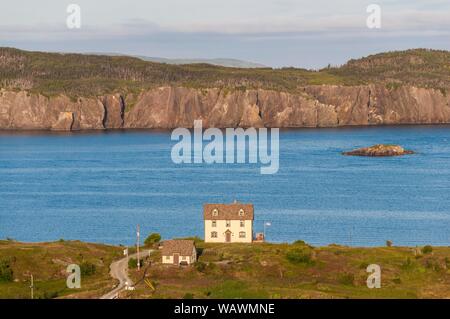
(178, 246)
(228, 211)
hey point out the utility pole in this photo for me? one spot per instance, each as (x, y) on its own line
(32, 286)
(138, 258)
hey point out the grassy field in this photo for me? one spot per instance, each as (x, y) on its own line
(78, 75)
(298, 271)
(234, 271)
(48, 263)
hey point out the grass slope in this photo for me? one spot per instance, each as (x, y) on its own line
(229, 271)
(298, 271)
(48, 263)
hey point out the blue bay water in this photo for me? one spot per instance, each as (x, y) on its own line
(98, 186)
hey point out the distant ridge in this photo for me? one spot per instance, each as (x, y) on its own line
(230, 63)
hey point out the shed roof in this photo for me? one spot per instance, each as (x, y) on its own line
(178, 246)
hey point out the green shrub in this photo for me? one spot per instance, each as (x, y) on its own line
(200, 266)
(407, 264)
(6, 272)
(433, 264)
(152, 239)
(87, 269)
(427, 250)
(208, 268)
(363, 265)
(347, 279)
(300, 255)
(132, 263)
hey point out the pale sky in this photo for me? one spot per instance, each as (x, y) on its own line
(277, 33)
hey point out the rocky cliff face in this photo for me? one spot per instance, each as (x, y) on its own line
(170, 107)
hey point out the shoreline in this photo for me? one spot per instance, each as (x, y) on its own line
(256, 244)
(4, 131)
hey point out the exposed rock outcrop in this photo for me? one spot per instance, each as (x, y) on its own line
(380, 150)
(25, 111)
(64, 122)
(114, 111)
(170, 107)
(376, 104)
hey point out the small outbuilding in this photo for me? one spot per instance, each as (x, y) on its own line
(179, 252)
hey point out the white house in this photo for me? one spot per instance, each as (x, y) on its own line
(176, 252)
(228, 223)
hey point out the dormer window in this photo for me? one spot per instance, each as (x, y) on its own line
(241, 213)
(215, 213)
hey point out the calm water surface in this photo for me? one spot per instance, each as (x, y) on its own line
(97, 186)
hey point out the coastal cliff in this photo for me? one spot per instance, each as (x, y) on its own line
(170, 107)
(50, 91)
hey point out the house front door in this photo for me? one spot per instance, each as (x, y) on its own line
(228, 236)
(176, 259)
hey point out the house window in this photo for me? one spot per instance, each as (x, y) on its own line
(242, 234)
(215, 213)
(241, 213)
(228, 223)
(214, 223)
(183, 258)
(242, 223)
(214, 234)
(167, 257)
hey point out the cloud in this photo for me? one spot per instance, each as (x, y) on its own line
(273, 32)
(393, 22)
(56, 32)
